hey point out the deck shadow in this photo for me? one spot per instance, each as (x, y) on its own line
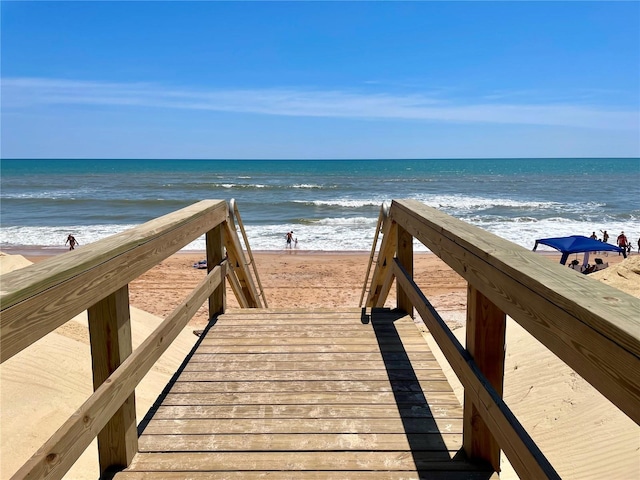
(415, 412)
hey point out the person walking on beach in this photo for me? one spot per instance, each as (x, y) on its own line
(289, 238)
(605, 236)
(71, 240)
(639, 245)
(622, 241)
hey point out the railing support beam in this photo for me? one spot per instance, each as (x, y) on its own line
(485, 338)
(405, 258)
(110, 334)
(215, 255)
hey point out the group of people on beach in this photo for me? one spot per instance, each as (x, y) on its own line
(622, 241)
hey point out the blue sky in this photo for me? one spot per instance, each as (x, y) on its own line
(311, 80)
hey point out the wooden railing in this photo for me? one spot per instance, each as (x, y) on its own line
(37, 299)
(592, 327)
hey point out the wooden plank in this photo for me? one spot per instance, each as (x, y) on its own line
(39, 298)
(486, 328)
(385, 255)
(205, 426)
(110, 337)
(310, 386)
(310, 475)
(306, 411)
(237, 288)
(409, 342)
(240, 265)
(343, 311)
(59, 453)
(266, 332)
(274, 376)
(591, 326)
(349, 330)
(382, 290)
(280, 348)
(431, 385)
(361, 358)
(231, 366)
(446, 445)
(309, 398)
(296, 461)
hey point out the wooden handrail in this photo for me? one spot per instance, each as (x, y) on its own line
(239, 267)
(592, 327)
(235, 218)
(37, 299)
(384, 213)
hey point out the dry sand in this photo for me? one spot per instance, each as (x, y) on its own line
(579, 430)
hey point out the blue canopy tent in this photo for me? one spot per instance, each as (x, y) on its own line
(577, 244)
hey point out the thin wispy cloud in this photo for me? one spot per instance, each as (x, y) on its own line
(28, 93)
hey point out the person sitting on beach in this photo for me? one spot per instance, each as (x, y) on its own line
(71, 240)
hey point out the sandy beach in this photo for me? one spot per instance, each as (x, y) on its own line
(551, 401)
(294, 279)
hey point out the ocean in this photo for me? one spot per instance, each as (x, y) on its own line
(330, 205)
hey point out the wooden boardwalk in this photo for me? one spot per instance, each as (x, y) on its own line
(306, 395)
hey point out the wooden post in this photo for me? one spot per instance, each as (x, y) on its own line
(486, 325)
(110, 335)
(405, 258)
(215, 255)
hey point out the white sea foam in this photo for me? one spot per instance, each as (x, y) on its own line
(345, 202)
(308, 185)
(329, 234)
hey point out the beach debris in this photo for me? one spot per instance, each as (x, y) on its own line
(200, 265)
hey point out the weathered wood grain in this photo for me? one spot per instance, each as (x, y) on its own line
(486, 329)
(307, 410)
(292, 375)
(444, 444)
(311, 386)
(300, 425)
(309, 398)
(383, 262)
(110, 334)
(296, 461)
